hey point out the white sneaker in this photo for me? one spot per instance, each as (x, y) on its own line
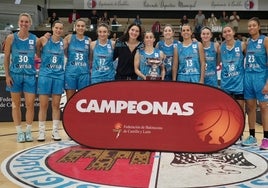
(239, 141)
(41, 136)
(20, 137)
(55, 135)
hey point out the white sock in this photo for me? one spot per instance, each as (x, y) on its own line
(41, 125)
(28, 127)
(18, 128)
(56, 124)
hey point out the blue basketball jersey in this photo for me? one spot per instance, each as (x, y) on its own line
(103, 68)
(78, 56)
(256, 70)
(211, 65)
(189, 60)
(23, 53)
(232, 74)
(145, 67)
(256, 57)
(52, 56)
(168, 50)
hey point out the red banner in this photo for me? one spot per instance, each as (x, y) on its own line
(153, 115)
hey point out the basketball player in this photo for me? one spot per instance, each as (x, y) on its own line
(189, 59)
(167, 47)
(51, 78)
(103, 68)
(149, 53)
(212, 51)
(256, 82)
(77, 50)
(21, 74)
(232, 58)
(232, 74)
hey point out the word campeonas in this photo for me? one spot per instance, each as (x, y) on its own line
(135, 107)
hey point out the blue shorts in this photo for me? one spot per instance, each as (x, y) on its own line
(211, 81)
(76, 82)
(168, 77)
(23, 83)
(188, 78)
(99, 80)
(253, 85)
(48, 86)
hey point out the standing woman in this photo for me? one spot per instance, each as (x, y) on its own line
(21, 74)
(141, 65)
(101, 58)
(167, 47)
(77, 71)
(212, 51)
(256, 82)
(51, 78)
(232, 73)
(189, 59)
(232, 58)
(125, 50)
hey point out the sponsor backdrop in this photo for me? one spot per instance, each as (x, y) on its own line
(171, 4)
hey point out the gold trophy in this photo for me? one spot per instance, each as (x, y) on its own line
(153, 73)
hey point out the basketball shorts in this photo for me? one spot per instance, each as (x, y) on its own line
(23, 83)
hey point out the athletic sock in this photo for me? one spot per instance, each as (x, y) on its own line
(56, 124)
(42, 123)
(265, 134)
(252, 132)
(28, 127)
(18, 128)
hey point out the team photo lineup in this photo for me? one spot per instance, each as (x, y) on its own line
(69, 63)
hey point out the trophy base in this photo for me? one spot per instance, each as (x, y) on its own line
(153, 78)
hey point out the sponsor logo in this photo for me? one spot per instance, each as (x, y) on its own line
(91, 4)
(249, 4)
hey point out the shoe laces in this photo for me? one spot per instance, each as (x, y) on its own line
(249, 139)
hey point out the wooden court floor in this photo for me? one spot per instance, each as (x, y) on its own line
(9, 145)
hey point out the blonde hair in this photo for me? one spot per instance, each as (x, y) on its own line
(80, 19)
(27, 15)
(103, 25)
(170, 26)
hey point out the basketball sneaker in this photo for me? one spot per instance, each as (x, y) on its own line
(41, 136)
(250, 141)
(56, 135)
(20, 137)
(239, 141)
(28, 136)
(264, 144)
